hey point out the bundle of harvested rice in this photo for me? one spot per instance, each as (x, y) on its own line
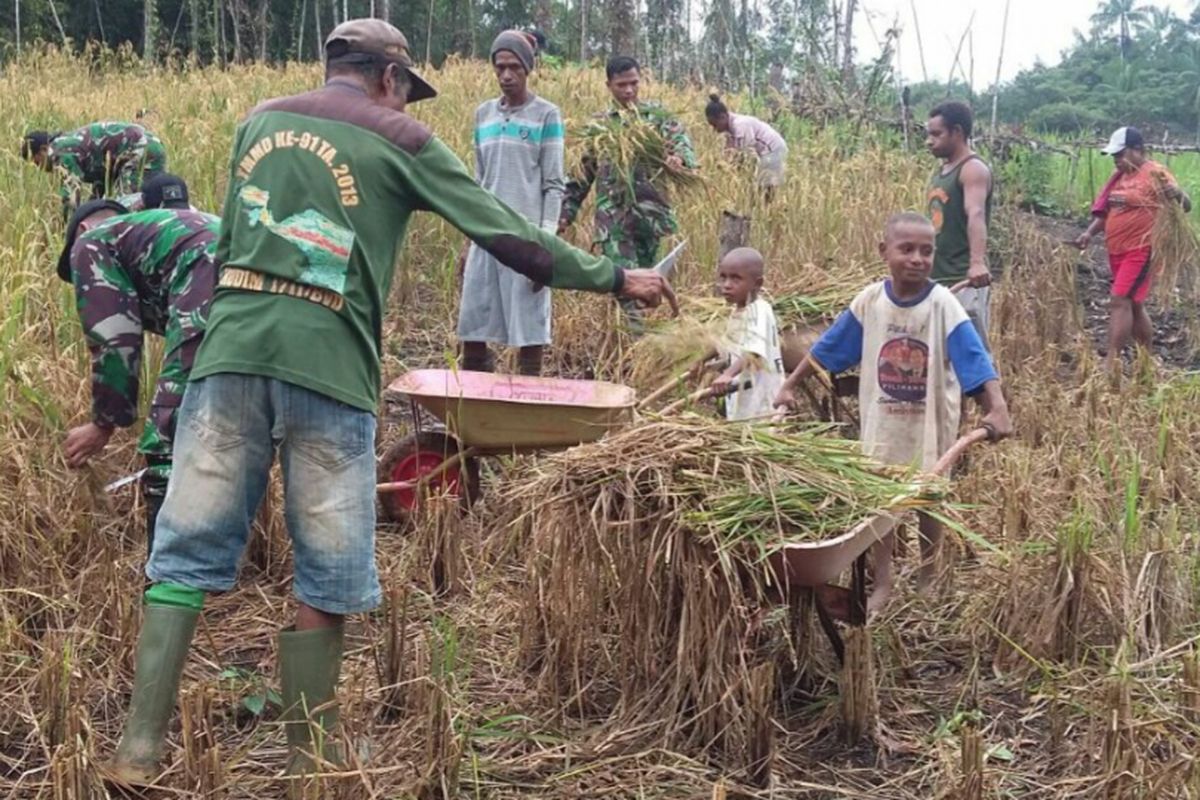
(1175, 250)
(633, 144)
(649, 591)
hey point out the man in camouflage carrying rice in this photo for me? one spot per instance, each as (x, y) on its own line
(633, 212)
(150, 271)
(103, 159)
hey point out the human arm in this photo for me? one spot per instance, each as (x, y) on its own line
(977, 375)
(442, 185)
(1095, 227)
(550, 159)
(85, 441)
(725, 380)
(995, 410)
(976, 180)
(110, 316)
(838, 349)
(681, 155)
(1172, 191)
(577, 189)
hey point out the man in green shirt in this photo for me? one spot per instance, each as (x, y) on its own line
(321, 189)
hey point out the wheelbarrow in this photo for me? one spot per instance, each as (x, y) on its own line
(813, 567)
(488, 414)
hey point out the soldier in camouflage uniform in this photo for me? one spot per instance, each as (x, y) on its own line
(150, 271)
(103, 159)
(633, 213)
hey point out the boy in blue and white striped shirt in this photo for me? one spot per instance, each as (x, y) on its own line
(519, 157)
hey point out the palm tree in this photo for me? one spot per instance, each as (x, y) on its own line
(1160, 24)
(1125, 15)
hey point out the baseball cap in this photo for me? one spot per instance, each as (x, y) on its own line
(83, 212)
(369, 38)
(165, 190)
(1122, 138)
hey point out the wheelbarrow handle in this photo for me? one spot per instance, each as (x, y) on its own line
(704, 394)
(964, 443)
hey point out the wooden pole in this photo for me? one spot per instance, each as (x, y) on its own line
(920, 44)
(999, 66)
(733, 233)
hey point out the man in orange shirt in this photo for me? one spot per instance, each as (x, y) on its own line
(1126, 210)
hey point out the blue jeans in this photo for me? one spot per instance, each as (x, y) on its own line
(230, 426)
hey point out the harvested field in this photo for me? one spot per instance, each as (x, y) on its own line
(1056, 658)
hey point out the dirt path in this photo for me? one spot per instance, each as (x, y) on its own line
(1093, 278)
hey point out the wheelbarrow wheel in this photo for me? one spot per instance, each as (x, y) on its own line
(418, 455)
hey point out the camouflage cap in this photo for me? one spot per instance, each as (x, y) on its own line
(83, 212)
(377, 39)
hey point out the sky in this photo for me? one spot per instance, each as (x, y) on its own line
(1037, 30)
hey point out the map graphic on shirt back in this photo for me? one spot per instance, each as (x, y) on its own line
(325, 244)
(903, 369)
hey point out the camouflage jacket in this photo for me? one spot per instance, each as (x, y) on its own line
(151, 271)
(616, 205)
(106, 158)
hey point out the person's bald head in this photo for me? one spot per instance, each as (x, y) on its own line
(905, 219)
(740, 275)
(745, 258)
(907, 248)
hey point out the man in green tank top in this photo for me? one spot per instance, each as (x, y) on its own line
(960, 207)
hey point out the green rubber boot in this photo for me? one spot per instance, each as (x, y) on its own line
(309, 664)
(162, 651)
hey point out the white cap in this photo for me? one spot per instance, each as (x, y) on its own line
(1123, 138)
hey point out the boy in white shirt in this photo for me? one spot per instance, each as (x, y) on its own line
(919, 354)
(751, 339)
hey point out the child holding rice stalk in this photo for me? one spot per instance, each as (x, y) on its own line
(1127, 210)
(919, 354)
(755, 372)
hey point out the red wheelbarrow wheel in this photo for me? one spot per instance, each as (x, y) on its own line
(415, 456)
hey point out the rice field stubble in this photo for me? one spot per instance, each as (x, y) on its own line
(1055, 660)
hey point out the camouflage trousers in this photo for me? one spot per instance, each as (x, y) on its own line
(632, 246)
(158, 433)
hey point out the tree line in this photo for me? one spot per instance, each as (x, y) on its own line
(734, 44)
(1134, 63)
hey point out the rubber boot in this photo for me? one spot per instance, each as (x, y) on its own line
(162, 651)
(309, 665)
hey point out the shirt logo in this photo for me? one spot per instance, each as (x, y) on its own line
(902, 369)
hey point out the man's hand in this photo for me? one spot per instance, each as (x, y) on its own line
(84, 442)
(786, 397)
(674, 163)
(721, 385)
(1083, 241)
(1000, 422)
(979, 275)
(649, 289)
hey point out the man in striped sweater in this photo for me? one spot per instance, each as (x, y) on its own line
(518, 157)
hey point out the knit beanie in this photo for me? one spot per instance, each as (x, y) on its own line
(516, 43)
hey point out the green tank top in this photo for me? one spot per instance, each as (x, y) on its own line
(948, 212)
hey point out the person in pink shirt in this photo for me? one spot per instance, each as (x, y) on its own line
(746, 134)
